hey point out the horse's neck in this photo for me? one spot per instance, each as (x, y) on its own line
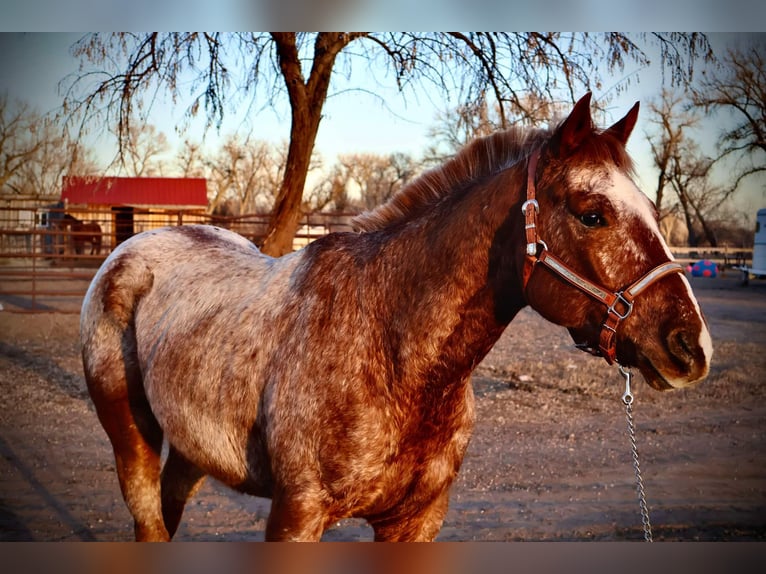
(453, 287)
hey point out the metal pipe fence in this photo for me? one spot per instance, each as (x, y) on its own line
(49, 256)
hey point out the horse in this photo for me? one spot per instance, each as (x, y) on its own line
(79, 233)
(335, 380)
(86, 232)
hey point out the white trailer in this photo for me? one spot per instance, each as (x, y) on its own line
(758, 267)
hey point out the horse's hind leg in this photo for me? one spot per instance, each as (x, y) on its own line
(181, 480)
(115, 385)
(137, 443)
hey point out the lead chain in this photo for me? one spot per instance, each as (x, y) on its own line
(627, 399)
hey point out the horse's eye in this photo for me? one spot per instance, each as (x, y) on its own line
(591, 219)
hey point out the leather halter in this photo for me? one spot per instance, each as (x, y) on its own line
(618, 304)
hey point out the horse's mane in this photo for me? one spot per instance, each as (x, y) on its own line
(483, 157)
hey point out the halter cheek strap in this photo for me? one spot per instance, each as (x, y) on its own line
(618, 304)
(530, 208)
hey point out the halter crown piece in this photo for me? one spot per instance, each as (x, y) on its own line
(618, 304)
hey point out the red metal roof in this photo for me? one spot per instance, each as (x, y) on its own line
(155, 191)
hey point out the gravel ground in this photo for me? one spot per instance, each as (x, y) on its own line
(549, 459)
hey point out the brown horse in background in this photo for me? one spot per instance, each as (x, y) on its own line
(79, 233)
(87, 232)
(336, 380)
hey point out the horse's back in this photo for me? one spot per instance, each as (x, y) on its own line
(172, 279)
(137, 264)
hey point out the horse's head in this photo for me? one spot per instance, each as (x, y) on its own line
(605, 249)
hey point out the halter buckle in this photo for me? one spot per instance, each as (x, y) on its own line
(531, 225)
(529, 202)
(535, 249)
(628, 307)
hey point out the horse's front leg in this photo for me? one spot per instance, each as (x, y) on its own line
(298, 517)
(409, 524)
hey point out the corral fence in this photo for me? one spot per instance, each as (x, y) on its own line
(48, 256)
(724, 256)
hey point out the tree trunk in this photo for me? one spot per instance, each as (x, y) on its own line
(287, 207)
(306, 101)
(693, 240)
(660, 189)
(706, 229)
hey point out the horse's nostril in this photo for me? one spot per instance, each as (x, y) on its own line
(689, 349)
(680, 347)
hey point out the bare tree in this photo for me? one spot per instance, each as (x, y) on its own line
(362, 181)
(191, 160)
(683, 168)
(56, 155)
(673, 123)
(506, 66)
(378, 177)
(455, 127)
(35, 152)
(331, 192)
(689, 176)
(738, 86)
(247, 173)
(144, 148)
(734, 226)
(19, 140)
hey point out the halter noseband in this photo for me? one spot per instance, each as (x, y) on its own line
(618, 304)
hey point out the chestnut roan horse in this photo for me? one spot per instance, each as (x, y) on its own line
(336, 380)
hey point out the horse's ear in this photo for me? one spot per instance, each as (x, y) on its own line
(573, 129)
(621, 130)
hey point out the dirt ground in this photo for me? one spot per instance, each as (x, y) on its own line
(549, 460)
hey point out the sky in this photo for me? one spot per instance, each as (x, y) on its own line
(33, 64)
(626, 15)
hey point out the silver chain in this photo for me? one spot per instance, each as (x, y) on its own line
(627, 399)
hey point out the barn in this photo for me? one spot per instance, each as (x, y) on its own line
(124, 206)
